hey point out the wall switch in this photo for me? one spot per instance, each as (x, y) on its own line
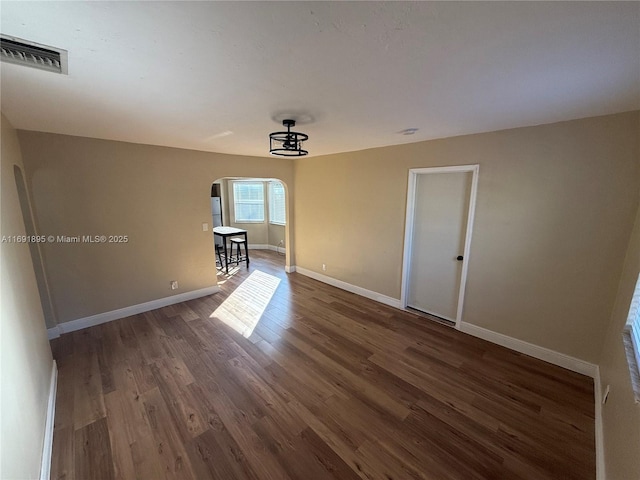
(174, 284)
(205, 227)
(324, 267)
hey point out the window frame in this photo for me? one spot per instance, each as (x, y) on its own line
(631, 339)
(248, 202)
(271, 203)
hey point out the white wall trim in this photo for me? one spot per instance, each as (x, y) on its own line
(290, 269)
(277, 248)
(266, 246)
(541, 353)
(378, 297)
(408, 232)
(258, 246)
(105, 317)
(597, 393)
(47, 446)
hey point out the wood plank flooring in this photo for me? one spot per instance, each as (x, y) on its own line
(328, 386)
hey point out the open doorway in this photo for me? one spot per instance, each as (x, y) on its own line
(258, 207)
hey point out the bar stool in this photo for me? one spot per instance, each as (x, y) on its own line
(238, 257)
(219, 255)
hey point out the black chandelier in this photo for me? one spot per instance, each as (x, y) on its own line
(287, 144)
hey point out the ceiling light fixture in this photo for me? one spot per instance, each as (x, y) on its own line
(287, 144)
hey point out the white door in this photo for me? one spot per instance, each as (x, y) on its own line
(441, 211)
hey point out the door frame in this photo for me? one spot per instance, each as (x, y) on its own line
(408, 229)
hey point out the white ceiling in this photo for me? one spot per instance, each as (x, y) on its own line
(185, 74)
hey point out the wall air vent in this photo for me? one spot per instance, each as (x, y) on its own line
(31, 54)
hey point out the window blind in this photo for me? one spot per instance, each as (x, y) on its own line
(248, 200)
(631, 338)
(277, 208)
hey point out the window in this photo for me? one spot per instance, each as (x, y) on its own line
(248, 202)
(277, 213)
(631, 338)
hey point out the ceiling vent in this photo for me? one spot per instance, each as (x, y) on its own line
(31, 54)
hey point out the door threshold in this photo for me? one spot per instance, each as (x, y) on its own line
(431, 316)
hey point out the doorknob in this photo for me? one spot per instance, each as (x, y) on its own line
(459, 258)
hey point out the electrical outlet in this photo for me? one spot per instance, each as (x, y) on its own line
(174, 284)
(205, 227)
(324, 267)
(281, 243)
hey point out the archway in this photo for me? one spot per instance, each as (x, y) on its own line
(266, 216)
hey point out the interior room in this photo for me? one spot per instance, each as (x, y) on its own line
(320, 240)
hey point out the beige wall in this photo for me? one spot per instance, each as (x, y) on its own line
(25, 356)
(620, 415)
(276, 233)
(555, 209)
(157, 196)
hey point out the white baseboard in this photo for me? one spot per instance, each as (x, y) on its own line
(561, 360)
(541, 353)
(47, 446)
(105, 317)
(258, 246)
(378, 297)
(290, 269)
(265, 246)
(551, 356)
(279, 249)
(597, 393)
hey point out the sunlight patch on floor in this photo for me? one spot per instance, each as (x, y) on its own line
(222, 276)
(243, 309)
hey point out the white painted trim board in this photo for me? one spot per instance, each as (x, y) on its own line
(363, 292)
(597, 393)
(474, 169)
(561, 360)
(541, 353)
(47, 445)
(266, 246)
(105, 317)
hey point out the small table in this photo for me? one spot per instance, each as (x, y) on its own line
(226, 232)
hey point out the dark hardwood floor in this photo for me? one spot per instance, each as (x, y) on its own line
(328, 386)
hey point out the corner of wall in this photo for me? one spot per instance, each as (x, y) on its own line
(25, 384)
(618, 421)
